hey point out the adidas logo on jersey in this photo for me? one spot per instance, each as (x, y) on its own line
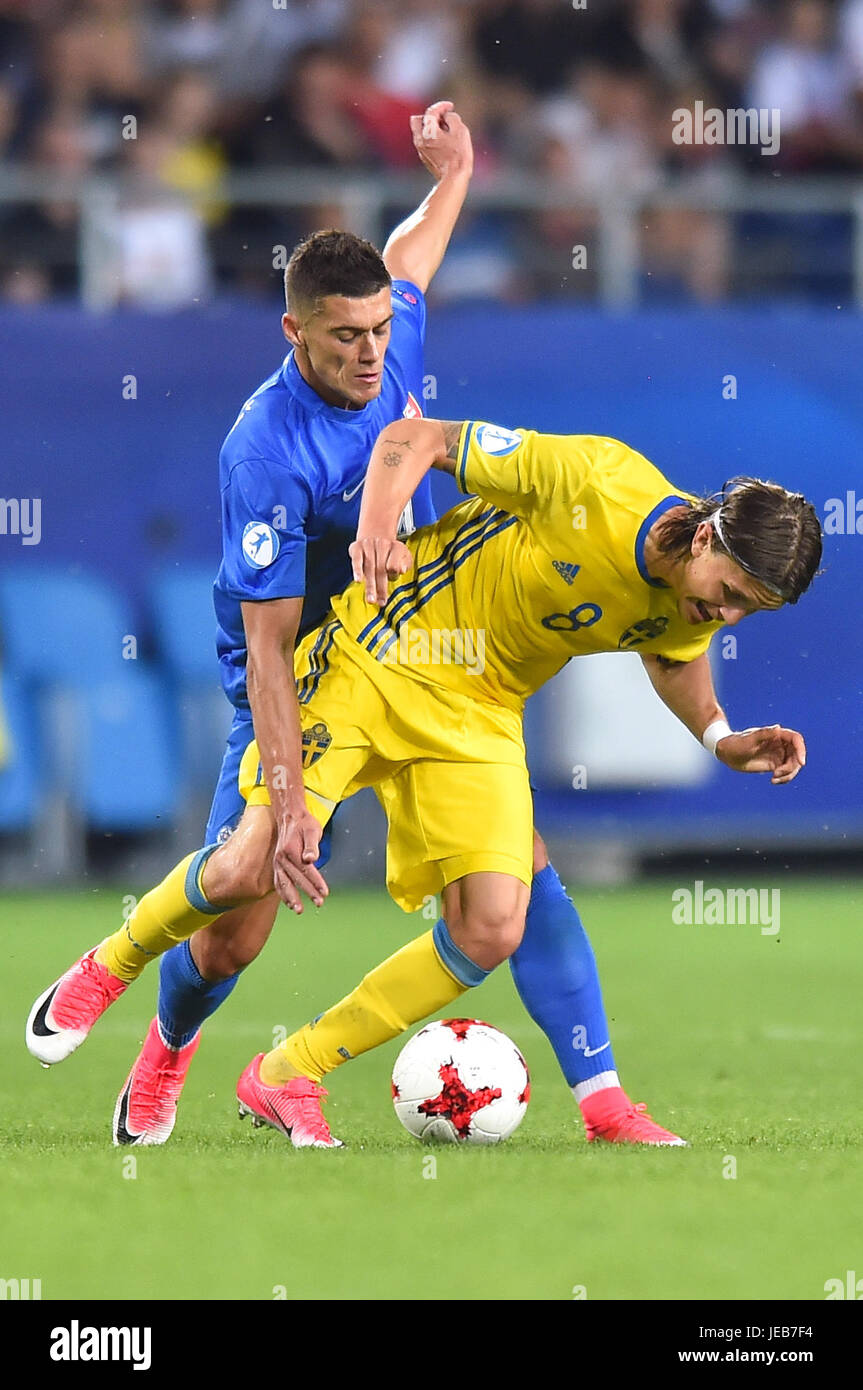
(565, 570)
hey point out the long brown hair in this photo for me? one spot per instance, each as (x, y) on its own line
(773, 534)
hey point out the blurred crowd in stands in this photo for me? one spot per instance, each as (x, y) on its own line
(579, 94)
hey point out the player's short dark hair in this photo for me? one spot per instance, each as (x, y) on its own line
(772, 534)
(333, 262)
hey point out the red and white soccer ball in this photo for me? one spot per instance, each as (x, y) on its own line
(460, 1081)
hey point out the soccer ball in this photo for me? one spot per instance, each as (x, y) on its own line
(460, 1081)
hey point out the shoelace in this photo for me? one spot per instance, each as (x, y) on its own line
(78, 991)
(154, 1079)
(165, 1071)
(309, 1107)
(640, 1111)
(635, 1112)
(90, 966)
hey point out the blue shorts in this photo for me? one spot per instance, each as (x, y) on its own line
(228, 806)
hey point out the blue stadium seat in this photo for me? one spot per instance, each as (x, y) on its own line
(128, 772)
(59, 626)
(185, 628)
(20, 776)
(185, 624)
(105, 724)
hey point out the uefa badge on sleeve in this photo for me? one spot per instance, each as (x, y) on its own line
(495, 440)
(260, 544)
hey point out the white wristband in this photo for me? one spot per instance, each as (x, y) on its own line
(713, 733)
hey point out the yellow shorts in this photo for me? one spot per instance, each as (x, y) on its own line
(449, 770)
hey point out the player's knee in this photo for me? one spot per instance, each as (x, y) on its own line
(489, 935)
(230, 878)
(509, 934)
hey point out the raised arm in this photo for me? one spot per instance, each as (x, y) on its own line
(686, 687)
(403, 454)
(417, 246)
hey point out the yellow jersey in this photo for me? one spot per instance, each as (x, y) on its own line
(544, 563)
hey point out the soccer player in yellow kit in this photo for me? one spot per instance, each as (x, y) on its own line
(572, 544)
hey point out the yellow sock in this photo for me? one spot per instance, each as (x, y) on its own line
(167, 914)
(407, 987)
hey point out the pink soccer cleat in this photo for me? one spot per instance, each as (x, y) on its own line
(146, 1107)
(610, 1116)
(62, 1017)
(294, 1109)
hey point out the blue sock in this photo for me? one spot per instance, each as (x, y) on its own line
(556, 976)
(185, 997)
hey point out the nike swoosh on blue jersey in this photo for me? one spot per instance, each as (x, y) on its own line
(346, 496)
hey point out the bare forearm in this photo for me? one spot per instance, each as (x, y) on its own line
(276, 719)
(417, 246)
(403, 454)
(687, 689)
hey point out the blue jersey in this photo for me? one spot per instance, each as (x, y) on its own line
(291, 473)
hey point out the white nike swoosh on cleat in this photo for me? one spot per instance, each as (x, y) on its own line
(592, 1051)
(121, 1134)
(38, 1021)
(49, 1045)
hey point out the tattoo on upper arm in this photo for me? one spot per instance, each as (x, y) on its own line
(394, 453)
(393, 456)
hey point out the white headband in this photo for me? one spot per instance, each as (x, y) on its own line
(717, 526)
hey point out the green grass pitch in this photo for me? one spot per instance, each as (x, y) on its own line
(748, 1045)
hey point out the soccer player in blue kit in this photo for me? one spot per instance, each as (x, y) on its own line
(292, 470)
